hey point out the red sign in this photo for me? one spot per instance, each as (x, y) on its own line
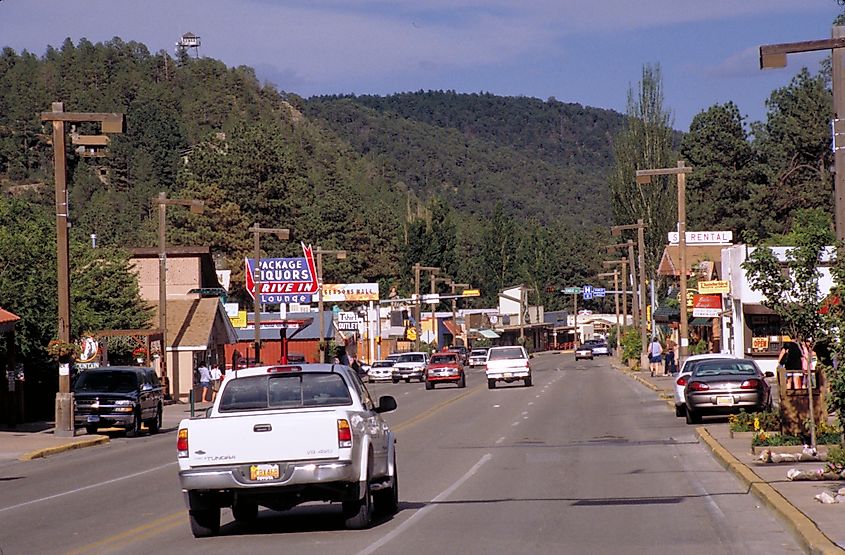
(284, 280)
(707, 301)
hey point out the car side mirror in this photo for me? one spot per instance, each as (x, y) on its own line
(386, 403)
(769, 374)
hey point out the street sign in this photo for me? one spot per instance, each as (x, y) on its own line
(599, 292)
(471, 293)
(587, 291)
(572, 290)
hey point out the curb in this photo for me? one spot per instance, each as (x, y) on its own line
(41, 453)
(805, 529)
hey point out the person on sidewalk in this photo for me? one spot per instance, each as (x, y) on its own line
(655, 356)
(669, 360)
(216, 378)
(205, 381)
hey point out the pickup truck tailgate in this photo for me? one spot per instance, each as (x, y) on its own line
(282, 436)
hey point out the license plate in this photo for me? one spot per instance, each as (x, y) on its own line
(725, 401)
(508, 374)
(93, 418)
(262, 472)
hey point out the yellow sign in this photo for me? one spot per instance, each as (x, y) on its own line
(690, 294)
(239, 321)
(471, 293)
(716, 286)
(411, 334)
(759, 344)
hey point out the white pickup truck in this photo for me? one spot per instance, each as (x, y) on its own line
(278, 436)
(507, 364)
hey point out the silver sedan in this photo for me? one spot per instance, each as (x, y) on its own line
(726, 386)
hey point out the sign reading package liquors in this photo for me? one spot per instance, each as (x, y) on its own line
(703, 237)
(283, 280)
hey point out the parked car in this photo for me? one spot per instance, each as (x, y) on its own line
(726, 386)
(279, 436)
(463, 353)
(584, 351)
(118, 396)
(410, 366)
(477, 357)
(380, 371)
(445, 368)
(507, 364)
(687, 367)
(600, 348)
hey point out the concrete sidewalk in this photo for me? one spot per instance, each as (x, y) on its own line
(818, 526)
(35, 440)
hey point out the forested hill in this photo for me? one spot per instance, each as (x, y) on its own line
(543, 160)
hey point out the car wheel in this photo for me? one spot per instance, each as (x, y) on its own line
(205, 522)
(91, 429)
(692, 417)
(491, 384)
(387, 500)
(155, 424)
(429, 385)
(394, 380)
(680, 410)
(245, 511)
(135, 428)
(407, 380)
(528, 381)
(358, 513)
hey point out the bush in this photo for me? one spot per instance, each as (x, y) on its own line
(754, 421)
(836, 460)
(762, 438)
(632, 344)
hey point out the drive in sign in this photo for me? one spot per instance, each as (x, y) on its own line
(283, 280)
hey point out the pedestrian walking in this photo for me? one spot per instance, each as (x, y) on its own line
(205, 381)
(669, 360)
(655, 356)
(216, 378)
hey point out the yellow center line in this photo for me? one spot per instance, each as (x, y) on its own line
(428, 413)
(158, 525)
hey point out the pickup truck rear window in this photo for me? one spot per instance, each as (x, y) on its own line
(505, 354)
(284, 392)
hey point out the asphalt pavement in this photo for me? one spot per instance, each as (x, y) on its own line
(817, 526)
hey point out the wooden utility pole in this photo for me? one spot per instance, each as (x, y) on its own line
(196, 207)
(418, 308)
(774, 56)
(109, 123)
(340, 254)
(639, 306)
(681, 171)
(257, 230)
(615, 275)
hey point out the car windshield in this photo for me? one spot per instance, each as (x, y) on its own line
(507, 353)
(382, 364)
(284, 392)
(442, 359)
(413, 357)
(724, 367)
(116, 381)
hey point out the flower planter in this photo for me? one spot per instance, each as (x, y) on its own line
(742, 435)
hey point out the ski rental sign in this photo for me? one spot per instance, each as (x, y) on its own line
(283, 280)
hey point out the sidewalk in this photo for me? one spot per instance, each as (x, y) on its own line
(34, 440)
(818, 526)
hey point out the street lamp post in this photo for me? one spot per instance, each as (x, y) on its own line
(340, 254)
(109, 123)
(640, 227)
(283, 235)
(418, 308)
(681, 171)
(163, 202)
(625, 263)
(615, 275)
(774, 56)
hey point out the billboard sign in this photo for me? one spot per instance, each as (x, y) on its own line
(707, 306)
(714, 286)
(703, 237)
(350, 292)
(283, 280)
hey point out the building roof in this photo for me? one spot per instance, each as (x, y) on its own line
(670, 261)
(192, 323)
(7, 321)
(272, 333)
(208, 270)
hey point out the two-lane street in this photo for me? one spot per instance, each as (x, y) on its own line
(585, 461)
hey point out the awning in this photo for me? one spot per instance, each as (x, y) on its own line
(666, 314)
(700, 322)
(489, 334)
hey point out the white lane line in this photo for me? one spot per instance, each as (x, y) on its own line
(525, 418)
(92, 486)
(515, 424)
(500, 440)
(524, 412)
(431, 506)
(496, 406)
(530, 403)
(536, 396)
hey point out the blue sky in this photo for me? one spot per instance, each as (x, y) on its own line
(589, 52)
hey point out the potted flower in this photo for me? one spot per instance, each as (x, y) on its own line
(139, 354)
(62, 351)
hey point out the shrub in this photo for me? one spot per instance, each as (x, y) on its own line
(754, 421)
(762, 438)
(632, 344)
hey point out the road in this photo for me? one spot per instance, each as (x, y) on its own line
(585, 461)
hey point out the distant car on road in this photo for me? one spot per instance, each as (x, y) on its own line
(445, 368)
(600, 348)
(477, 357)
(409, 366)
(726, 386)
(584, 351)
(380, 371)
(687, 367)
(122, 396)
(463, 353)
(507, 364)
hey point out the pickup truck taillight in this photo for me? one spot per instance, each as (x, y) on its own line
(182, 443)
(344, 433)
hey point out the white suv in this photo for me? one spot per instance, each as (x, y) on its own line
(410, 366)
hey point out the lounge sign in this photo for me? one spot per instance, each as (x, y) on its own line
(283, 280)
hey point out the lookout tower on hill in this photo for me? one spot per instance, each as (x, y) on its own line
(189, 40)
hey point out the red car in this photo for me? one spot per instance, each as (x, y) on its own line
(445, 367)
